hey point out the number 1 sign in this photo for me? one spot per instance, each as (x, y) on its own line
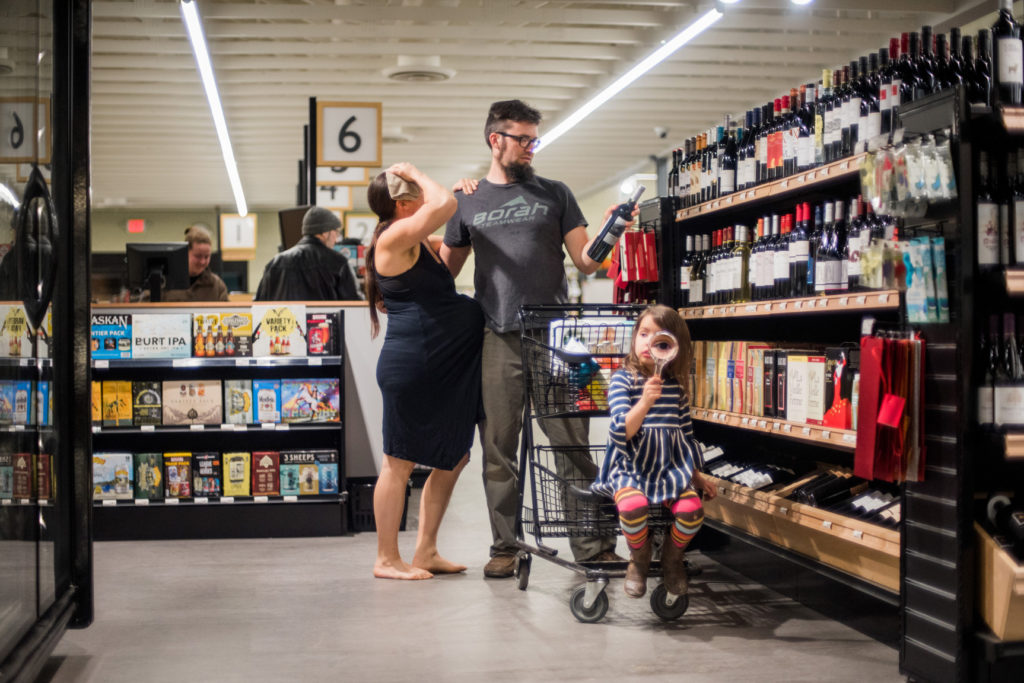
(348, 134)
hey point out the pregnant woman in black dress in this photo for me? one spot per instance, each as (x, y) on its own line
(429, 368)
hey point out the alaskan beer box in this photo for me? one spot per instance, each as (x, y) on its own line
(266, 476)
(192, 402)
(279, 330)
(322, 334)
(147, 406)
(112, 476)
(236, 474)
(310, 400)
(111, 336)
(161, 335)
(15, 334)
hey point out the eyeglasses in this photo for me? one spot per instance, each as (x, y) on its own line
(525, 141)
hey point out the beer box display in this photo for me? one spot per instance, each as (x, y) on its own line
(177, 475)
(97, 403)
(44, 476)
(6, 476)
(21, 413)
(111, 336)
(327, 464)
(161, 335)
(815, 389)
(206, 474)
(299, 473)
(15, 333)
(44, 403)
(236, 326)
(266, 477)
(192, 402)
(236, 474)
(310, 400)
(267, 393)
(23, 479)
(147, 408)
(322, 334)
(117, 403)
(112, 476)
(238, 403)
(149, 476)
(279, 330)
(6, 402)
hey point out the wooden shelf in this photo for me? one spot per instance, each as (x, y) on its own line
(839, 439)
(845, 168)
(1014, 278)
(1014, 445)
(834, 303)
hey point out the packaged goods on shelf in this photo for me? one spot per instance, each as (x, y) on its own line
(178, 475)
(238, 401)
(192, 402)
(112, 476)
(161, 335)
(310, 400)
(266, 474)
(6, 476)
(149, 476)
(117, 403)
(237, 472)
(267, 396)
(279, 330)
(206, 474)
(147, 403)
(111, 335)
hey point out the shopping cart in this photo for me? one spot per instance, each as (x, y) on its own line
(569, 355)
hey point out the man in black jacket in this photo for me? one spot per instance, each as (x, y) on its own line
(311, 270)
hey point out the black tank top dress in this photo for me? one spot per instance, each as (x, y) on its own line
(429, 367)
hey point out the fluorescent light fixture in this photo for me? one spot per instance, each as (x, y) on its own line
(801, 2)
(648, 63)
(190, 16)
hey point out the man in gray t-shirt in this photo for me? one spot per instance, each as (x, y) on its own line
(519, 226)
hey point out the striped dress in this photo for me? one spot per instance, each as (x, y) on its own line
(660, 459)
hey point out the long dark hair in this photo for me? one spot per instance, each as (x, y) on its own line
(669, 320)
(384, 206)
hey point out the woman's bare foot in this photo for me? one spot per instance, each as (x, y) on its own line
(387, 569)
(434, 563)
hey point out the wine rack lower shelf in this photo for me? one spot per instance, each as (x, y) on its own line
(867, 551)
(841, 439)
(833, 303)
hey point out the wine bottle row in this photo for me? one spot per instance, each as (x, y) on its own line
(1001, 390)
(999, 206)
(807, 252)
(821, 122)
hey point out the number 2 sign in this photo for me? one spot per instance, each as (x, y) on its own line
(348, 134)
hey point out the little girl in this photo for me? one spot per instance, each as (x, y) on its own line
(651, 456)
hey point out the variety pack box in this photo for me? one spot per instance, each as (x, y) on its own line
(111, 335)
(147, 406)
(149, 476)
(238, 403)
(266, 477)
(310, 400)
(206, 474)
(112, 476)
(161, 335)
(236, 474)
(267, 393)
(279, 330)
(300, 471)
(177, 475)
(192, 402)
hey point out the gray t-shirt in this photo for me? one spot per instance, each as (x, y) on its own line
(517, 232)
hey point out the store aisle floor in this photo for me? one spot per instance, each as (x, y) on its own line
(310, 610)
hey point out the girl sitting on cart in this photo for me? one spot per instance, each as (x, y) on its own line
(651, 457)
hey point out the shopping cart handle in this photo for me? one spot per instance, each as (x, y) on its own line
(573, 357)
(584, 494)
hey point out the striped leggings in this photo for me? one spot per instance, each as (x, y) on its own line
(633, 508)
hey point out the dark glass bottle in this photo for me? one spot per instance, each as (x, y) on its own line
(839, 281)
(814, 241)
(886, 96)
(871, 112)
(780, 262)
(925, 65)
(955, 71)
(798, 251)
(1008, 56)
(986, 216)
(823, 256)
(983, 67)
(685, 269)
(805, 129)
(989, 355)
(941, 63)
(821, 118)
(854, 246)
(908, 70)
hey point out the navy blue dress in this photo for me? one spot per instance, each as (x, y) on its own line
(429, 368)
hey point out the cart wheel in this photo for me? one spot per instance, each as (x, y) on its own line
(523, 561)
(597, 610)
(665, 611)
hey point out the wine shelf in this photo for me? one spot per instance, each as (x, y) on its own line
(845, 168)
(178, 430)
(857, 301)
(840, 439)
(227, 500)
(222, 362)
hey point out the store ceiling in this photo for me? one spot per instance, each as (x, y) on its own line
(154, 144)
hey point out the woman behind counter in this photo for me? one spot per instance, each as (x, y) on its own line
(205, 285)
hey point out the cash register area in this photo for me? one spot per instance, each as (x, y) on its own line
(309, 609)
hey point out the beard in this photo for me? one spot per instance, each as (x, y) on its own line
(519, 172)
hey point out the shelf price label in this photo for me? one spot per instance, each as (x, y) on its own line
(348, 134)
(142, 501)
(806, 431)
(850, 438)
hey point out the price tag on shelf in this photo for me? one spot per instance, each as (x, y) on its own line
(268, 425)
(101, 364)
(732, 309)
(752, 308)
(798, 304)
(743, 195)
(844, 166)
(883, 298)
(822, 303)
(19, 428)
(260, 499)
(728, 202)
(784, 184)
(857, 533)
(241, 428)
(197, 428)
(849, 438)
(108, 503)
(714, 205)
(776, 425)
(284, 426)
(806, 431)
(142, 501)
(826, 434)
(147, 428)
(763, 424)
(264, 362)
(227, 500)
(315, 361)
(201, 500)
(826, 524)
(227, 427)
(783, 511)
(291, 499)
(171, 501)
(6, 501)
(714, 416)
(801, 178)
(711, 311)
(96, 429)
(745, 421)
(861, 300)
(844, 301)
(787, 428)
(781, 305)
(242, 362)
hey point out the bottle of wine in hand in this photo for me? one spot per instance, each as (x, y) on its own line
(614, 227)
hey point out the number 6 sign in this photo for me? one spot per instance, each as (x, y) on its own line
(348, 134)
(24, 123)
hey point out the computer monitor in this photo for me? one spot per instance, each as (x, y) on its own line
(291, 225)
(157, 266)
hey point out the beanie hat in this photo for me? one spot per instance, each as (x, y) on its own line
(400, 188)
(318, 220)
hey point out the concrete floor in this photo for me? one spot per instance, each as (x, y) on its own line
(310, 610)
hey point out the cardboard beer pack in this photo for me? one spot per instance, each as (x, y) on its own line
(238, 403)
(267, 395)
(206, 474)
(327, 464)
(44, 476)
(178, 475)
(310, 400)
(147, 406)
(111, 335)
(322, 334)
(6, 476)
(112, 476)
(149, 476)
(236, 474)
(266, 476)
(117, 403)
(279, 330)
(161, 335)
(192, 402)
(23, 479)
(15, 333)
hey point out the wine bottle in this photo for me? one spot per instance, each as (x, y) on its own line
(780, 259)
(925, 65)
(727, 165)
(685, 265)
(1007, 521)
(839, 276)
(697, 270)
(1008, 396)
(908, 74)
(990, 363)
(853, 245)
(984, 68)
(851, 108)
(740, 258)
(805, 130)
(885, 86)
(775, 142)
(1015, 178)
(817, 234)
(613, 228)
(986, 216)
(823, 255)
(871, 112)
(955, 68)
(798, 249)
(1008, 56)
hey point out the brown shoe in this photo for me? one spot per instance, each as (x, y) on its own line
(673, 569)
(635, 584)
(605, 556)
(501, 566)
